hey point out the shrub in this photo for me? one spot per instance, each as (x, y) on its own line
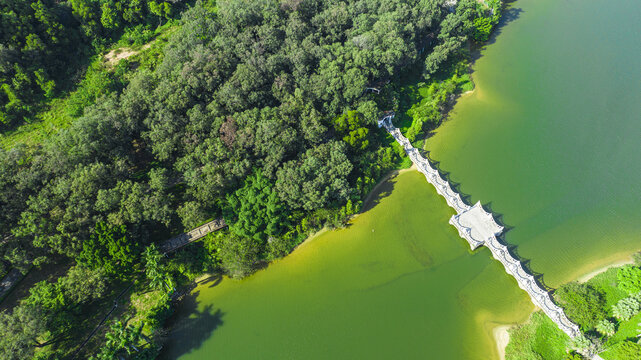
(583, 303)
(605, 327)
(539, 339)
(629, 279)
(626, 350)
(625, 309)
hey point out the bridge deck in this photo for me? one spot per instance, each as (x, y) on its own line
(186, 238)
(478, 227)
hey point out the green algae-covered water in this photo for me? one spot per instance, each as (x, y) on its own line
(398, 283)
(551, 138)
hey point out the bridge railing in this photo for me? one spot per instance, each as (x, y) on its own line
(185, 238)
(500, 252)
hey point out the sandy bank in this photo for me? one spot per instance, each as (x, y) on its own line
(603, 269)
(501, 337)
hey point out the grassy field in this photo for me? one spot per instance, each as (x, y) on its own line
(540, 338)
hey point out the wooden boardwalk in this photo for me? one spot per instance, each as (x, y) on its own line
(9, 281)
(186, 238)
(479, 228)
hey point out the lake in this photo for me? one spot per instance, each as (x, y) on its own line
(550, 140)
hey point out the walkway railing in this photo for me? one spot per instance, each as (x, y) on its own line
(478, 227)
(191, 236)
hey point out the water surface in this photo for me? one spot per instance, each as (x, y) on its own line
(398, 283)
(550, 139)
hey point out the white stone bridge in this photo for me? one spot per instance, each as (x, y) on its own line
(478, 227)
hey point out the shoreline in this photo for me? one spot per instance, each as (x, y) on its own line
(501, 338)
(370, 197)
(501, 332)
(376, 189)
(616, 264)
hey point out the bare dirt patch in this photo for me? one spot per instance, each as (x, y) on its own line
(114, 56)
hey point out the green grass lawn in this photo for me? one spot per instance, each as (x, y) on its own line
(539, 338)
(607, 282)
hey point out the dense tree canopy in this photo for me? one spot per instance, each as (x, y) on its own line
(250, 85)
(256, 110)
(255, 210)
(109, 249)
(39, 39)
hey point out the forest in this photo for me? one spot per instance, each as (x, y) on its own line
(253, 110)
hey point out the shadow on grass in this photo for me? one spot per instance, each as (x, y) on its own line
(189, 328)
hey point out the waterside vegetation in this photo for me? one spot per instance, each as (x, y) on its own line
(257, 111)
(606, 307)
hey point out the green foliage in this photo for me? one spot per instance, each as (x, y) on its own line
(255, 210)
(581, 343)
(352, 125)
(317, 179)
(108, 248)
(155, 270)
(455, 28)
(20, 330)
(96, 83)
(582, 303)
(79, 286)
(626, 308)
(626, 350)
(238, 256)
(539, 339)
(573, 356)
(152, 309)
(606, 327)
(429, 101)
(482, 28)
(44, 42)
(487, 17)
(160, 9)
(159, 313)
(121, 339)
(629, 279)
(49, 313)
(604, 284)
(192, 214)
(190, 262)
(211, 112)
(242, 88)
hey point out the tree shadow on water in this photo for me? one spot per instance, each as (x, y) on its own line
(189, 327)
(211, 281)
(381, 191)
(510, 14)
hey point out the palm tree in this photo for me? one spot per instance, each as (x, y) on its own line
(155, 271)
(605, 327)
(120, 337)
